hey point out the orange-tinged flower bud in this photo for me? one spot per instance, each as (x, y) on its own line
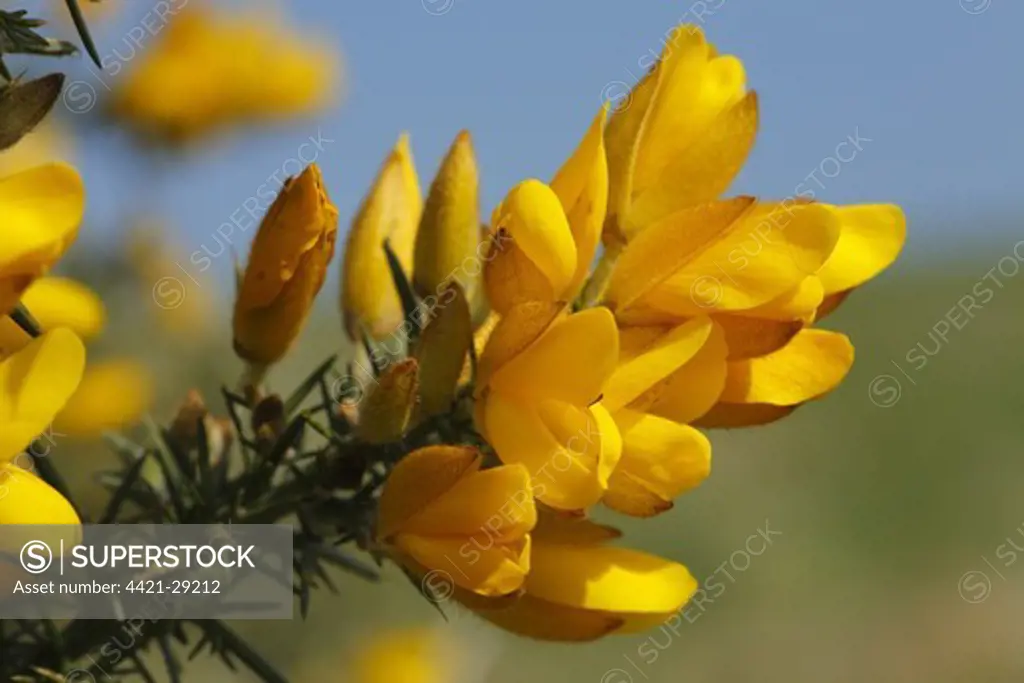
(287, 265)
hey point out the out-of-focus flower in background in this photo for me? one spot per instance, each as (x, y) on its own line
(114, 394)
(405, 656)
(287, 265)
(209, 70)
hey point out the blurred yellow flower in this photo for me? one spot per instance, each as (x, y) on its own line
(440, 511)
(205, 71)
(580, 588)
(287, 265)
(41, 208)
(35, 384)
(408, 656)
(448, 239)
(391, 211)
(539, 382)
(113, 394)
(62, 302)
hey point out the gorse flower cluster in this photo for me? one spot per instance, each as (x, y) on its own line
(512, 373)
(562, 384)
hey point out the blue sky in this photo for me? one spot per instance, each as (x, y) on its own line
(934, 87)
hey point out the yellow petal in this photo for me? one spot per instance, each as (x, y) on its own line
(390, 403)
(482, 567)
(797, 304)
(813, 363)
(112, 395)
(41, 208)
(765, 254)
(871, 236)
(533, 254)
(449, 233)
(695, 88)
(643, 365)
(668, 246)
(513, 333)
(391, 211)
(692, 389)
(441, 351)
(661, 459)
(61, 302)
(419, 479)
(570, 362)
(569, 451)
(619, 581)
(491, 505)
(701, 172)
(35, 383)
(582, 187)
(27, 499)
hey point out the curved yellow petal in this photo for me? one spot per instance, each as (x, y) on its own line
(798, 304)
(871, 236)
(494, 504)
(694, 89)
(483, 567)
(582, 187)
(765, 254)
(663, 249)
(12, 337)
(35, 383)
(610, 579)
(419, 479)
(812, 364)
(747, 337)
(692, 389)
(569, 451)
(544, 620)
(513, 333)
(570, 362)
(27, 499)
(112, 395)
(646, 359)
(533, 256)
(701, 172)
(661, 459)
(62, 302)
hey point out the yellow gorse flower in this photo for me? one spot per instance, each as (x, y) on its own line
(440, 511)
(763, 271)
(205, 71)
(35, 384)
(580, 588)
(391, 211)
(42, 208)
(287, 265)
(113, 394)
(408, 656)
